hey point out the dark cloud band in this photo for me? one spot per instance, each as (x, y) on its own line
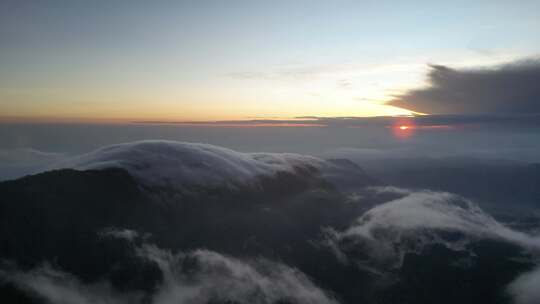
(509, 88)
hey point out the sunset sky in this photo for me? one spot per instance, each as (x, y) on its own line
(222, 60)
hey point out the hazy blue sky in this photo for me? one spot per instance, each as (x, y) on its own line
(196, 60)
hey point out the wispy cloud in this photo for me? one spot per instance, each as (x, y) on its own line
(17, 162)
(388, 231)
(417, 121)
(195, 277)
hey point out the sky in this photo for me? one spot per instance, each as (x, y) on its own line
(223, 60)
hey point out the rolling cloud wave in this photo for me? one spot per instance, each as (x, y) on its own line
(199, 276)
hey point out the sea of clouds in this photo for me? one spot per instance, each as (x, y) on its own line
(385, 232)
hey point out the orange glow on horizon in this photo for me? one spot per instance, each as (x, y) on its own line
(403, 128)
(237, 125)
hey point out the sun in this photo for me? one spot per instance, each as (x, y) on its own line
(403, 128)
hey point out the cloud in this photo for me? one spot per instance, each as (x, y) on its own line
(249, 75)
(302, 72)
(58, 287)
(344, 84)
(125, 234)
(27, 156)
(180, 165)
(509, 88)
(388, 231)
(196, 277)
(425, 122)
(222, 277)
(18, 162)
(524, 289)
(170, 163)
